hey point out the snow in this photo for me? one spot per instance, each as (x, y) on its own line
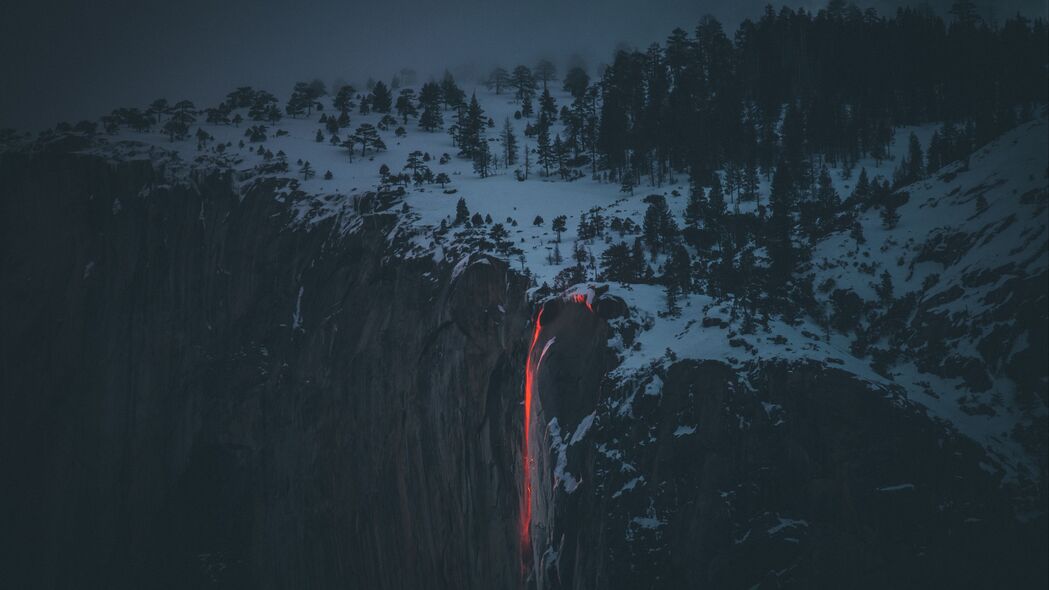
(630, 485)
(684, 430)
(787, 523)
(942, 205)
(296, 318)
(897, 488)
(584, 426)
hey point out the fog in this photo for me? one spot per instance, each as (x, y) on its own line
(66, 60)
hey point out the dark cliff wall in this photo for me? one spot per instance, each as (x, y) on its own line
(796, 476)
(194, 394)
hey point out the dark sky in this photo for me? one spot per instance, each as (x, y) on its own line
(68, 60)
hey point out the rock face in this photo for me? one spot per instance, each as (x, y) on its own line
(792, 476)
(197, 394)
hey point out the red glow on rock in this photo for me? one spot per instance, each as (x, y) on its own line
(581, 298)
(535, 357)
(531, 366)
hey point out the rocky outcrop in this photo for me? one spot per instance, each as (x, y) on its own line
(195, 394)
(796, 475)
(197, 391)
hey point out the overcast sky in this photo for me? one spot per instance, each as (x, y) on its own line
(69, 60)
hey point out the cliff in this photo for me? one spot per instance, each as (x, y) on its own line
(200, 392)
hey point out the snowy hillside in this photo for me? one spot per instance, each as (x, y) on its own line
(966, 263)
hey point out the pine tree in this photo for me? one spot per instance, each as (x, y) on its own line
(545, 71)
(658, 228)
(559, 225)
(862, 192)
(414, 162)
(509, 144)
(471, 128)
(406, 104)
(307, 171)
(343, 100)
(544, 151)
(157, 109)
(367, 136)
(498, 79)
(715, 199)
(523, 83)
(452, 95)
(617, 265)
(576, 82)
(826, 199)
(673, 307)
(915, 159)
(678, 270)
(526, 107)
(560, 154)
(780, 246)
(547, 106)
(301, 101)
(482, 159)
(749, 186)
(885, 288)
(462, 214)
(381, 99)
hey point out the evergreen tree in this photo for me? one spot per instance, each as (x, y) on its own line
(862, 192)
(452, 95)
(780, 246)
(381, 99)
(715, 199)
(749, 183)
(526, 107)
(678, 270)
(912, 169)
(827, 199)
(367, 136)
(241, 98)
(498, 79)
(576, 82)
(343, 100)
(158, 109)
(509, 140)
(559, 225)
(560, 155)
(482, 159)
(523, 83)
(302, 100)
(462, 214)
(406, 104)
(547, 107)
(545, 71)
(431, 118)
(472, 129)
(544, 150)
(658, 228)
(617, 264)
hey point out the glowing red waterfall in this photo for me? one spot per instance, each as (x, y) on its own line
(531, 367)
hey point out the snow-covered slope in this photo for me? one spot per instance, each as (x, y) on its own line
(967, 262)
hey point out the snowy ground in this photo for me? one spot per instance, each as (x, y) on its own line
(1017, 163)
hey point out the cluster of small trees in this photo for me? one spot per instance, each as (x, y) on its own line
(416, 170)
